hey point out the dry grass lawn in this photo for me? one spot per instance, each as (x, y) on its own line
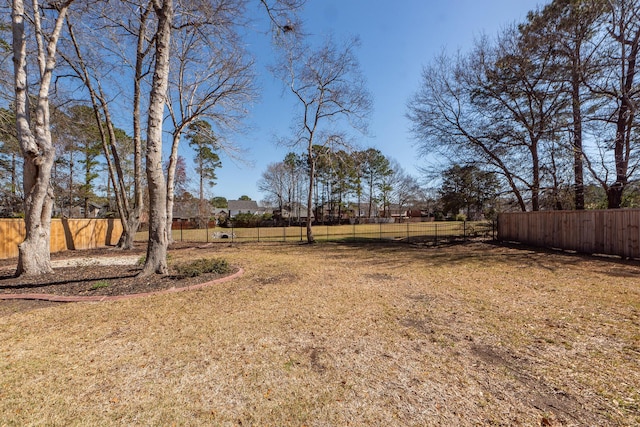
(338, 334)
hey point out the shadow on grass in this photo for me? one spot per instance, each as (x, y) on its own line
(481, 251)
(45, 281)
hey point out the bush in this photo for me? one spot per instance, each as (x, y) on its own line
(203, 266)
(246, 220)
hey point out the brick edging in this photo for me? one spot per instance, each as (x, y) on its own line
(99, 298)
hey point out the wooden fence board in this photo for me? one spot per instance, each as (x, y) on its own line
(65, 234)
(612, 232)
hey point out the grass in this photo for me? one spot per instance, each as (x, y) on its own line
(99, 285)
(342, 334)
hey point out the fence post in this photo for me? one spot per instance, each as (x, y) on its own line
(207, 227)
(436, 229)
(408, 238)
(232, 233)
(258, 233)
(181, 221)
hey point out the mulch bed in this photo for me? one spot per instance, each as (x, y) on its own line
(94, 280)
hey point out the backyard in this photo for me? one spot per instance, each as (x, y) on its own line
(340, 333)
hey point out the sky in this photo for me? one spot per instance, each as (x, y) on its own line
(397, 39)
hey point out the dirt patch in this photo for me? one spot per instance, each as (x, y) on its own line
(565, 407)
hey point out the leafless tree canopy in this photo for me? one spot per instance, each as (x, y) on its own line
(540, 103)
(329, 90)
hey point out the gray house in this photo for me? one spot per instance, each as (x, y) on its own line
(236, 207)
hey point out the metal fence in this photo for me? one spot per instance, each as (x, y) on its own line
(425, 232)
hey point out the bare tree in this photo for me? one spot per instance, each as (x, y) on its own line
(497, 106)
(156, 260)
(617, 86)
(211, 78)
(275, 182)
(405, 188)
(328, 87)
(113, 19)
(157, 185)
(33, 133)
(569, 28)
(518, 91)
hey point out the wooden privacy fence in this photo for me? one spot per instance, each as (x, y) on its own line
(610, 232)
(65, 234)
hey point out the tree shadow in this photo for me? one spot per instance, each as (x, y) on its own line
(68, 236)
(48, 280)
(481, 251)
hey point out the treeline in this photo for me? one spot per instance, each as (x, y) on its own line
(347, 184)
(549, 106)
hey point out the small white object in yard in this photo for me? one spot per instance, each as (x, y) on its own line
(223, 235)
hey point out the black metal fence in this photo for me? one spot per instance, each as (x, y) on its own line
(422, 232)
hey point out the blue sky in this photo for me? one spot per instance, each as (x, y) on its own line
(397, 40)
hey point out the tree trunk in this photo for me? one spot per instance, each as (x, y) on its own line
(133, 218)
(312, 171)
(370, 182)
(171, 182)
(14, 185)
(36, 147)
(116, 177)
(71, 165)
(626, 113)
(535, 184)
(34, 251)
(578, 168)
(201, 195)
(614, 196)
(127, 237)
(131, 215)
(156, 261)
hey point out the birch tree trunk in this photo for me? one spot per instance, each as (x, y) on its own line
(156, 261)
(171, 182)
(34, 137)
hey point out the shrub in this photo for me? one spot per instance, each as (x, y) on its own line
(203, 266)
(246, 220)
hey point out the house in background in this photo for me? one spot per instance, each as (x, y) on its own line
(95, 210)
(236, 207)
(186, 210)
(191, 214)
(395, 211)
(295, 213)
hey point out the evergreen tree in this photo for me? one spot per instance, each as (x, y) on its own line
(204, 143)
